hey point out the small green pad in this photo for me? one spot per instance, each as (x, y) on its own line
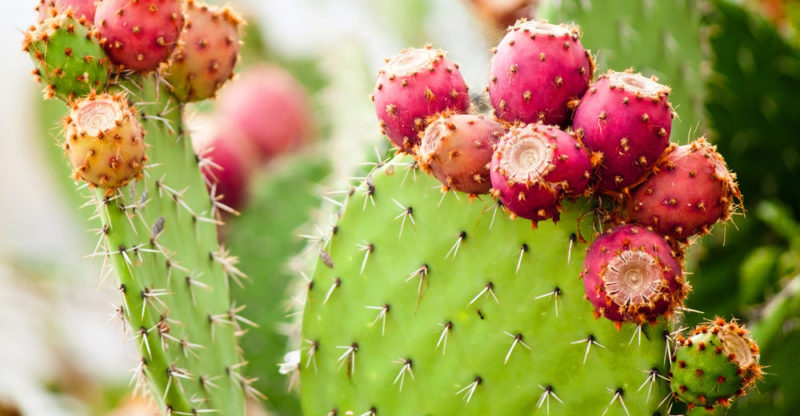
(431, 304)
(68, 56)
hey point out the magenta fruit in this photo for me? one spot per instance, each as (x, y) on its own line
(457, 150)
(206, 53)
(139, 34)
(270, 108)
(413, 86)
(631, 274)
(534, 166)
(81, 8)
(690, 190)
(228, 165)
(627, 119)
(536, 71)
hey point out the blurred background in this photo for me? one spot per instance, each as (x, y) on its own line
(310, 65)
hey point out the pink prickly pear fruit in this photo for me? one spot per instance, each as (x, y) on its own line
(413, 86)
(626, 118)
(139, 34)
(631, 274)
(538, 72)
(270, 108)
(207, 51)
(81, 8)
(690, 190)
(227, 163)
(534, 166)
(457, 150)
(104, 141)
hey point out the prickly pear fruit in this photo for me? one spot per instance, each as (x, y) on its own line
(690, 190)
(269, 107)
(69, 59)
(228, 162)
(631, 274)
(139, 34)
(207, 51)
(457, 150)
(415, 85)
(81, 8)
(716, 363)
(105, 142)
(627, 118)
(537, 70)
(534, 166)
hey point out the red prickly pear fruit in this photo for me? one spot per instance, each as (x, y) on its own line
(270, 108)
(227, 162)
(207, 51)
(105, 142)
(81, 8)
(457, 150)
(413, 86)
(139, 34)
(538, 72)
(626, 118)
(690, 190)
(631, 274)
(534, 166)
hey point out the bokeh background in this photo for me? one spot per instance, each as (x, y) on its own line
(63, 352)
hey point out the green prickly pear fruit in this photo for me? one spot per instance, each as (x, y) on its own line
(105, 141)
(715, 364)
(69, 59)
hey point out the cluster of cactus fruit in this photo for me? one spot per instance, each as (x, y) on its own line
(558, 146)
(126, 68)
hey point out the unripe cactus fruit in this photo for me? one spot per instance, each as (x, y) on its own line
(139, 34)
(690, 190)
(415, 85)
(457, 150)
(207, 51)
(269, 107)
(81, 8)
(630, 274)
(627, 118)
(716, 363)
(68, 59)
(105, 142)
(534, 166)
(537, 70)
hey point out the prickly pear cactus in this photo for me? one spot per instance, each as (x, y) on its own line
(438, 304)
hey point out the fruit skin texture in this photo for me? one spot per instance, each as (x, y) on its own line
(534, 166)
(207, 52)
(630, 274)
(457, 150)
(81, 8)
(716, 363)
(139, 34)
(413, 86)
(630, 129)
(269, 107)
(690, 190)
(536, 70)
(68, 58)
(105, 142)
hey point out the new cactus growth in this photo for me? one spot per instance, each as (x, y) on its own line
(534, 166)
(538, 72)
(627, 119)
(631, 274)
(457, 150)
(139, 34)
(207, 51)
(69, 60)
(105, 142)
(689, 192)
(715, 364)
(413, 86)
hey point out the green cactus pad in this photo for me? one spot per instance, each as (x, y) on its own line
(68, 56)
(432, 304)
